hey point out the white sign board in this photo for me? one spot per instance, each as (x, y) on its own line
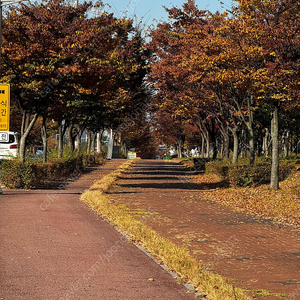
(4, 138)
(131, 155)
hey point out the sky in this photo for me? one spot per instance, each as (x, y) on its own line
(151, 11)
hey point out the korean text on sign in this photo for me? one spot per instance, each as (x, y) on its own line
(4, 106)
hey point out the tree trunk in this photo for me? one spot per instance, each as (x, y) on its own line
(22, 148)
(260, 145)
(44, 139)
(89, 140)
(207, 141)
(71, 138)
(251, 144)
(225, 144)
(207, 145)
(79, 135)
(93, 141)
(179, 146)
(99, 147)
(110, 145)
(222, 148)
(235, 145)
(251, 131)
(274, 185)
(215, 149)
(266, 143)
(286, 144)
(202, 145)
(60, 141)
(27, 125)
(249, 124)
(124, 148)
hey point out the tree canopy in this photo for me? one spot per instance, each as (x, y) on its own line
(217, 70)
(63, 65)
(228, 78)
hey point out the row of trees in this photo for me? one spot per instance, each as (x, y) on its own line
(224, 74)
(215, 78)
(78, 71)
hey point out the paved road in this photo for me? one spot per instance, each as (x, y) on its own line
(53, 247)
(254, 251)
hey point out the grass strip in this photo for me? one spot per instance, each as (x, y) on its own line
(178, 259)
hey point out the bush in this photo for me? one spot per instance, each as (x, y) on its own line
(16, 174)
(242, 175)
(218, 167)
(200, 163)
(245, 175)
(37, 174)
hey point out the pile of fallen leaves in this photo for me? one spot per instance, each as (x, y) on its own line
(282, 206)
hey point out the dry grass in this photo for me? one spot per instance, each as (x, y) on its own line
(178, 259)
(283, 205)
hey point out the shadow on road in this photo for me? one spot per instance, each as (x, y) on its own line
(164, 175)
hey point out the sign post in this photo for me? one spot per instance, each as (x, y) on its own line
(4, 106)
(4, 88)
(4, 113)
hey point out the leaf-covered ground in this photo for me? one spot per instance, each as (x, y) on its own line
(283, 205)
(247, 251)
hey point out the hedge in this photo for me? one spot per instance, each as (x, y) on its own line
(218, 167)
(242, 175)
(16, 174)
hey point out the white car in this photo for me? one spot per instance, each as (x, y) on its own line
(8, 144)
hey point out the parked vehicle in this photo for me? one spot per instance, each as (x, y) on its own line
(8, 144)
(39, 151)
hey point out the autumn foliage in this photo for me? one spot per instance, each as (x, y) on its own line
(226, 83)
(83, 72)
(221, 72)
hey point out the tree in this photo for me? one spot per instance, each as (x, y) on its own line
(83, 73)
(35, 54)
(111, 79)
(276, 25)
(175, 95)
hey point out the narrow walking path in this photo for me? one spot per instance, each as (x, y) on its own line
(53, 247)
(254, 252)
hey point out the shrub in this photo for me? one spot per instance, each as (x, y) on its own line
(37, 174)
(16, 174)
(245, 175)
(286, 168)
(200, 163)
(218, 167)
(242, 175)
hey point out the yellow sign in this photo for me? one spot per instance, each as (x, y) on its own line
(131, 155)
(4, 106)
